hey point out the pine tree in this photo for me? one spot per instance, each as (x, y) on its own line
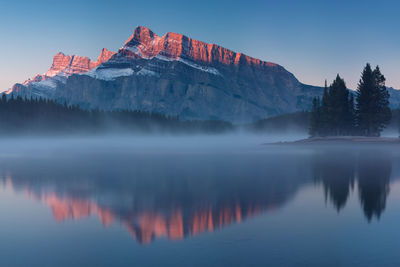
(352, 113)
(339, 107)
(365, 96)
(314, 129)
(325, 112)
(372, 109)
(335, 114)
(384, 113)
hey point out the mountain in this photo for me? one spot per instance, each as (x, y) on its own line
(174, 75)
(394, 98)
(43, 85)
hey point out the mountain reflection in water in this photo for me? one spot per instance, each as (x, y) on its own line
(175, 196)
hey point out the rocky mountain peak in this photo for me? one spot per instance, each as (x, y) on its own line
(141, 35)
(146, 44)
(69, 64)
(64, 66)
(104, 56)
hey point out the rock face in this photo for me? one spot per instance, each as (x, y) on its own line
(104, 56)
(69, 65)
(63, 66)
(175, 46)
(174, 75)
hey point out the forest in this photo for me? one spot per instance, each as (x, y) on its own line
(22, 116)
(341, 112)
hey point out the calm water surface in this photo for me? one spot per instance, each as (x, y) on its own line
(195, 203)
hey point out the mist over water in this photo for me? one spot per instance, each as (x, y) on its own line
(154, 200)
(142, 143)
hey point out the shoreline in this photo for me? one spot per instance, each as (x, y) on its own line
(333, 140)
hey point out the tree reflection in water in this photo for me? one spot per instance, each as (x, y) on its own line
(338, 171)
(373, 183)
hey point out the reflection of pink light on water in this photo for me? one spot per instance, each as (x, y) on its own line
(176, 226)
(150, 225)
(67, 208)
(145, 226)
(75, 209)
(8, 184)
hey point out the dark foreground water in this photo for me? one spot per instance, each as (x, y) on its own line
(185, 203)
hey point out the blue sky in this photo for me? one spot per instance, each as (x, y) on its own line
(313, 39)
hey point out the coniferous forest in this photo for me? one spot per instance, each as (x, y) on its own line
(19, 116)
(341, 112)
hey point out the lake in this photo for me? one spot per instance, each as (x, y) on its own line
(194, 201)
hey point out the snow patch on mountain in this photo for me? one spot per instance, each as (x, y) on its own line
(137, 50)
(50, 83)
(146, 72)
(199, 67)
(108, 74)
(163, 58)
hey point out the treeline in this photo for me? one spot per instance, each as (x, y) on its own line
(297, 122)
(45, 116)
(339, 113)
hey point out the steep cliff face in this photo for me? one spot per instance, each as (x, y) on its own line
(69, 65)
(104, 56)
(62, 67)
(175, 75)
(173, 45)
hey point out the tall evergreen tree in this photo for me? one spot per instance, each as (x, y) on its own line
(384, 113)
(372, 109)
(315, 120)
(339, 107)
(351, 123)
(325, 112)
(335, 114)
(365, 96)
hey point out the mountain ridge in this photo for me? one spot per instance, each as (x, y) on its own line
(153, 45)
(174, 75)
(64, 66)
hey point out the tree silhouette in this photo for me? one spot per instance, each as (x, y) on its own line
(315, 124)
(335, 114)
(372, 109)
(373, 183)
(336, 172)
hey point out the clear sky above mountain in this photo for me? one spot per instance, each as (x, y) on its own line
(313, 39)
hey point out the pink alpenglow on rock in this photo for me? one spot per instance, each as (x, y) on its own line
(65, 65)
(174, 45)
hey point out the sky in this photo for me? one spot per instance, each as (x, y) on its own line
(315, 40)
